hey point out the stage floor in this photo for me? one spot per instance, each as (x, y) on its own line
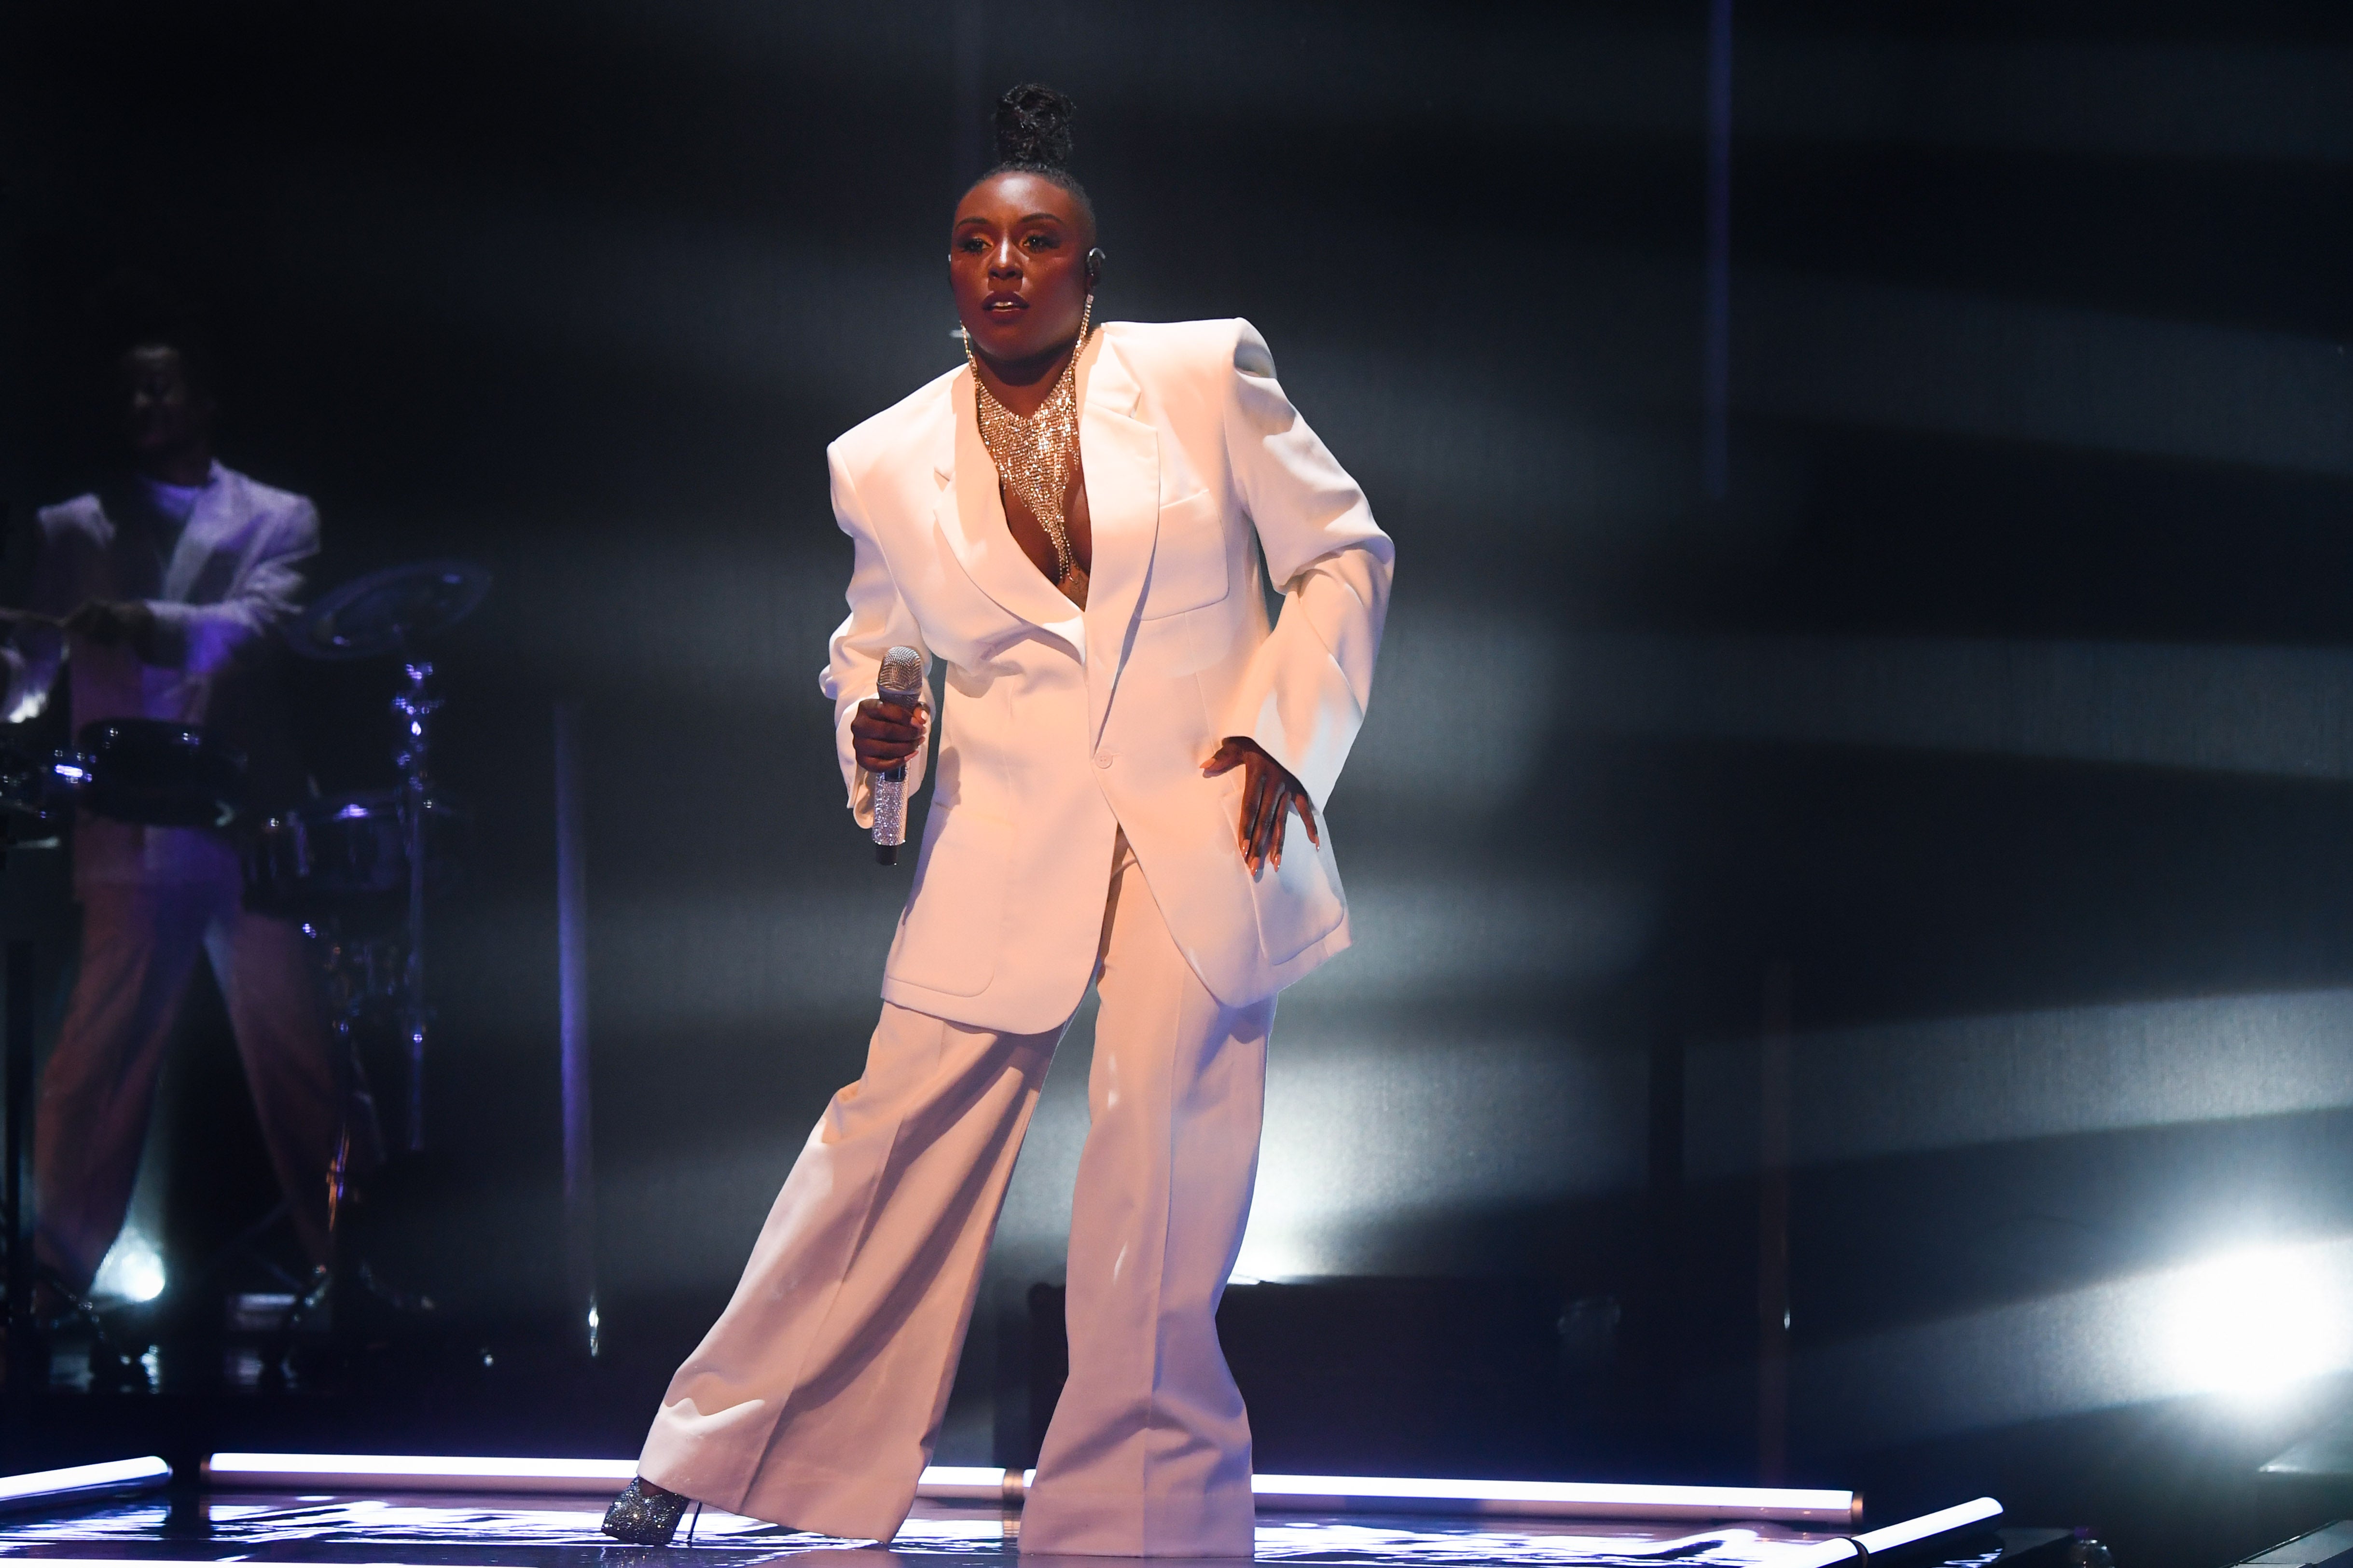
(544, 1531)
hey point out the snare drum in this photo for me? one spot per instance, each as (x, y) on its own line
(350, 854)
(164, 774)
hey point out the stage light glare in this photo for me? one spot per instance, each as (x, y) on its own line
(2251, 1323)
(1278, 1246)
(144, 1281)
(133, 1269)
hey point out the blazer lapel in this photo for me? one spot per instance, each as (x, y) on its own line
(1121, 456)
(971, 518)
(215, 514)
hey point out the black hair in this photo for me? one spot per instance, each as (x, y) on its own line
(1033, 137)
(134, 309)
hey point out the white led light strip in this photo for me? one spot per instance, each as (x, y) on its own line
(115, 1476)
(1874, 1543)
(411, 1471)
(946, 1483)
(1565, 1499)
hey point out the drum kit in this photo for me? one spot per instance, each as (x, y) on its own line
(344, 863)
(355, 869)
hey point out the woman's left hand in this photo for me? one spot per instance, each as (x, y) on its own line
(1269, 796)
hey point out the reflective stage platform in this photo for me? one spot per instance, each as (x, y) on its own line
(494, 1530)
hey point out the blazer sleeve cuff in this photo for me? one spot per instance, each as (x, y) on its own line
(1302, 698)
(197, 638)
(1306, 721)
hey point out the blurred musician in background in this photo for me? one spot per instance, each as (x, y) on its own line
(159, 594)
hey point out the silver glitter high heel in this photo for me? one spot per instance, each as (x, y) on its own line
(645, 1515)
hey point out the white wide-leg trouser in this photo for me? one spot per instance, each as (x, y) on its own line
(140, 945)
(815, 1400)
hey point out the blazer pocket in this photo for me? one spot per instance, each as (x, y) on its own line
(1299, 902)
(1188, 557)
(949, 931)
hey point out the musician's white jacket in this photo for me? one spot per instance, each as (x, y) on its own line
(228, 575)
(1059, 728)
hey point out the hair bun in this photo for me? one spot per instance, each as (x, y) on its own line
(1033, 126)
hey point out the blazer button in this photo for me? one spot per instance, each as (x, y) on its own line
(1102, 759)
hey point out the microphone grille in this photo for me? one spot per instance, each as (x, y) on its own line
(902, 670)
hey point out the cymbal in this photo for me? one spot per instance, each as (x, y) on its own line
(389, 612)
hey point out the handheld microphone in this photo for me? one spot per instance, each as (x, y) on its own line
(900, 680)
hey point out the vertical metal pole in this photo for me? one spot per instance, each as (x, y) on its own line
(1773, 1232)
(18, 1049)
(572, 988)
(1716, 371)
(415, 707)
(1666, 1139)
(1662, 1318)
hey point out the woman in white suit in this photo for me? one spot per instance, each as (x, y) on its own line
(1072, 528)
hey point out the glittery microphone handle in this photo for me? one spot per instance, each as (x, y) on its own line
(900, 680)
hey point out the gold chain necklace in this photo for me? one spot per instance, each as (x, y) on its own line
(1033, 455)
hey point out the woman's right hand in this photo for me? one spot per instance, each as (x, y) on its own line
(884, 734)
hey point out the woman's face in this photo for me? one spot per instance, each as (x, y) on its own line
(1018, 262)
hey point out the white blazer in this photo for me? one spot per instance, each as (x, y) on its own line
(1060, 728)
(233, 575)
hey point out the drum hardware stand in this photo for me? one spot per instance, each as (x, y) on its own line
(357, 969)
(414, 708)
(369, 975)
(389, 612)
(377, 981)
(358, 976)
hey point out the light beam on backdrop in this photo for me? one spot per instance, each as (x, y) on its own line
(2253, 1323)
(1873, 1091)
(2250, 1327)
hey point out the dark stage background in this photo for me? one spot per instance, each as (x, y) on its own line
(1963, 791)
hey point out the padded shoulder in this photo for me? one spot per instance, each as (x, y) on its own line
(84, 514)
(1211, 349)
(914, 418)
(260, 499)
